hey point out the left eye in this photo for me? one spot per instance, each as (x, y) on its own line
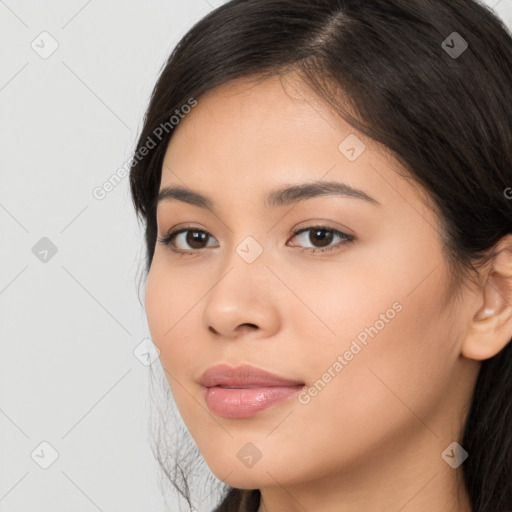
(321, 236)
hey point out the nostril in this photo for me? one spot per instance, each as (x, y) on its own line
(250, 325)
(241, 327)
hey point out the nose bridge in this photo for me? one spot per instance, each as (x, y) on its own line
(250, 249)
(248, 237)
(245, 264)
(242, 293)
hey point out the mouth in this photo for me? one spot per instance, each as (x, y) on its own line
(243, 376)
(244, 391)
(239, 387)
(244, 402)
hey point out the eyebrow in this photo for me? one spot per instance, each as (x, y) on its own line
(283, 196)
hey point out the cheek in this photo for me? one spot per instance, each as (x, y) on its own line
(169, 304)
(392, 353)
(170, 312)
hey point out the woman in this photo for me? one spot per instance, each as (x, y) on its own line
(328, 224)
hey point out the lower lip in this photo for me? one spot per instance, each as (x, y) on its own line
(246, 402)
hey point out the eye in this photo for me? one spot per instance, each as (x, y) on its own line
(195, 239)
(322, 236)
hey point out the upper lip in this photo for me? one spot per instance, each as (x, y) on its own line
(246, 375)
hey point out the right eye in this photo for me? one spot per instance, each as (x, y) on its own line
(190, 236)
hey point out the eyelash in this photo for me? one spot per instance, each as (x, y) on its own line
(169, 238)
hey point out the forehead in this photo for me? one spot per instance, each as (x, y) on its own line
(257, 135)
(273, 120)
(257, 111)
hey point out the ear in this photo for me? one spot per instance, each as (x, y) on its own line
(491, 326)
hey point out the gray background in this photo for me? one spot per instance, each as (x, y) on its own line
(70, 321)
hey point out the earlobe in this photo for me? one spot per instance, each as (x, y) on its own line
(491, 326)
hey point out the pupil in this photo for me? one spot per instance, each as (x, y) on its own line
(191, 239)
(324, 240)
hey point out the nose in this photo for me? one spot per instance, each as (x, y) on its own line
(243, 301)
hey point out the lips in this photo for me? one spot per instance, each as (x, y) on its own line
(245, 376)
(245, 391)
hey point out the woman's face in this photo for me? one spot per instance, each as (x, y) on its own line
(361, 323)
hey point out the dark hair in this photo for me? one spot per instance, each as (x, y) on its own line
(389, 69)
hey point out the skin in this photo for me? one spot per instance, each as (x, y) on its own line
(371, 440)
